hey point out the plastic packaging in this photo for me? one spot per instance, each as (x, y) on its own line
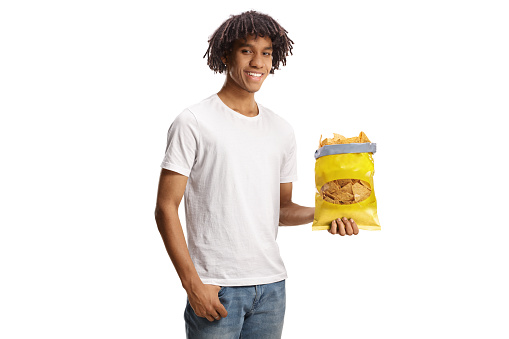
(344, 185)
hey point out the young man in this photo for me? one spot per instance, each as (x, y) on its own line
(235, 161)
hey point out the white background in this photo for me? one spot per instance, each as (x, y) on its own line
(89, 89)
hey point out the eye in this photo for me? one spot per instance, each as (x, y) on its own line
(245, 51)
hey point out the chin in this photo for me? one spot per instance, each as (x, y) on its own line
(253, 90)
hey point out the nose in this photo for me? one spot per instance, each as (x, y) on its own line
(256, 61)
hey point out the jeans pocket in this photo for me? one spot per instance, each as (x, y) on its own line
(221, 291)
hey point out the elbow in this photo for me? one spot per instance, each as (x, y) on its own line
(158, 216)
(164, 211)
(161, 214)
(283, 212)
(158, 211)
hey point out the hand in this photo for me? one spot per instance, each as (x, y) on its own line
(343, 226)
(205, 302)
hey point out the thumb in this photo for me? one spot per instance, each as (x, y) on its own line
(222, 310)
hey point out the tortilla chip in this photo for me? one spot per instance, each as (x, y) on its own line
(365, 184)
(326, 198)
(347, 188)
(350, 140)
(338, 137)
(345, 191)
(360, 192)
(343, 182)
(345, 196)
(363, 138)
(328, 141)
(328, 195)
(333, 186)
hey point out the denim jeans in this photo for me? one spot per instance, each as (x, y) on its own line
(254, 312)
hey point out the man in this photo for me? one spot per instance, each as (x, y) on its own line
(235, 161)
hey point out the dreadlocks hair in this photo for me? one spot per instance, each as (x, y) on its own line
(239, 27)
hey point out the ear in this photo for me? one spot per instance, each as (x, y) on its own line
(226, 56)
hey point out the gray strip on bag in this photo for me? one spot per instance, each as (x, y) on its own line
(345, 148)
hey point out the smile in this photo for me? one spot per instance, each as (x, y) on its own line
(254, 75)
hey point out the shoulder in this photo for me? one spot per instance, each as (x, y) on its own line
(203, 106)
(191, 114)
(281, 122)
(186, 117)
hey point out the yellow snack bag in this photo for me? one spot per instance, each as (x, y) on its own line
(344, 172)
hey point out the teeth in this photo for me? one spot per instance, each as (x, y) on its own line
(255, 74)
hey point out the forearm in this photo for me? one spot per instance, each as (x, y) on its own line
(170, 228)
(292, 214)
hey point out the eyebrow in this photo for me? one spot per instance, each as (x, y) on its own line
(249, 45)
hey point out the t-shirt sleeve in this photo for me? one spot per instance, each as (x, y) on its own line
(289, 164)
(182, 144)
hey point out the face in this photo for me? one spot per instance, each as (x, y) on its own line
(249, 63)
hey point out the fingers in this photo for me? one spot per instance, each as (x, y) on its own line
(209, 307)
(220, 308)
(348, 226)
(341, 227)
(355, 228)
(217, 314)
(344, 226)
(334, 227)
(222, 311)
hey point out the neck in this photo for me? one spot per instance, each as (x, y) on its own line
(238, 99)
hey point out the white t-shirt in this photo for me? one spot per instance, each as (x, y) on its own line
(234, 166)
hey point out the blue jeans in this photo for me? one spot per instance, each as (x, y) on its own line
(254, 312)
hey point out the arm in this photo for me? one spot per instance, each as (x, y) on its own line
(171, 189)
(291, 214)
(203, 297)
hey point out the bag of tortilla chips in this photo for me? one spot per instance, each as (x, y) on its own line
(344, 172)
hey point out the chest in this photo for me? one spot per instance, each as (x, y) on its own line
(236, 143)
